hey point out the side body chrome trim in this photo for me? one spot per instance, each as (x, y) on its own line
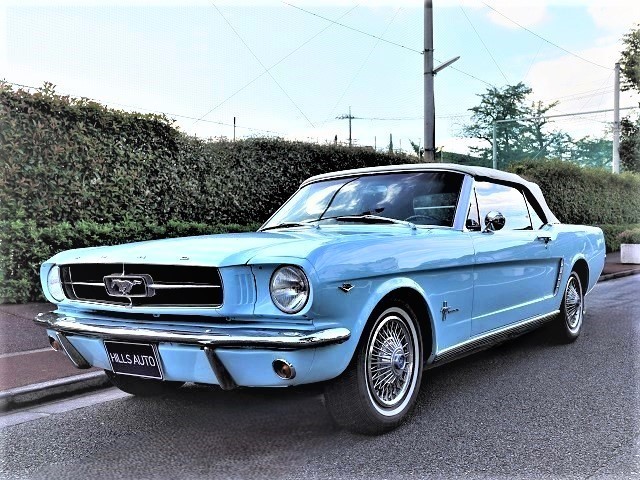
(242, 338)
(490, 338)
(560, 272)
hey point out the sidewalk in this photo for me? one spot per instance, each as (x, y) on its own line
(32, 372)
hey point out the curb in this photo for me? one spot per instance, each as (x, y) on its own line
(624, 273)
(52, 390)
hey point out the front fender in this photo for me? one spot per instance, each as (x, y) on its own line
(334, 360)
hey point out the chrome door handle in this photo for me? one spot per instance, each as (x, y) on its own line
(544, 239)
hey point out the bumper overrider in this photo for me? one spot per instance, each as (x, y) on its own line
(234, 356)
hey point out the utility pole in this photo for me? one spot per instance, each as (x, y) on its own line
(350, 117)
(234, 129)
(429, 100)
(616, 121)
(429, 74)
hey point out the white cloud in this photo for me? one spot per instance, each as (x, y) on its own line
(580, 87)
(614, 14)
(527, 14)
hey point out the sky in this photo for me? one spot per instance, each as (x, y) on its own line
(288, 69)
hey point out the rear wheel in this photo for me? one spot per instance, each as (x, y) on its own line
(568, 325)
(380, 386)
(142, 387)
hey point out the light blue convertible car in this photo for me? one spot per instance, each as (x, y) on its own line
(361, 280)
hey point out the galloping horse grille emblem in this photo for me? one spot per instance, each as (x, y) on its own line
(127, 286)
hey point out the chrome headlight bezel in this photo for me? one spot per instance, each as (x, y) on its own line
(54, 284)
(289, 288)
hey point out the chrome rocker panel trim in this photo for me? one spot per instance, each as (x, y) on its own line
(209, 337)
(489, 339)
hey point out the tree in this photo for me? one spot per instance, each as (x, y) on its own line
(416, 149)
(592, 152)
(630, 80)
(630, 144)
(630, 61)
(515, 140)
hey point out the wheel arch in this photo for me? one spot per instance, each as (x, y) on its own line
(581, 267)
(419, 305)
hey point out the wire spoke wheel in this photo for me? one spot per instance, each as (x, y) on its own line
(380, 386)
(390, 361)
(573, 303)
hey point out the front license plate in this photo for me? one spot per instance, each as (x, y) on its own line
(137, 359)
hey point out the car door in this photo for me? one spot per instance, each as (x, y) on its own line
(514, 274)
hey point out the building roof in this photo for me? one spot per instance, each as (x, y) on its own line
(479, 173)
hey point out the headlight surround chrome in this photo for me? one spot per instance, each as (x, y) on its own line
(54, 284)
(289, 288)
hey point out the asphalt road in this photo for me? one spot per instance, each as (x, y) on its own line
(526, 409)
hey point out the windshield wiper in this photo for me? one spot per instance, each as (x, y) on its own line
(373, 219)
(286, 225)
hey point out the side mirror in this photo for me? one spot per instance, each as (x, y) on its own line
(494, 221)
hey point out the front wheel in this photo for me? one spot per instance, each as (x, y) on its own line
(568, 325)
(142, 387)
(380, 386)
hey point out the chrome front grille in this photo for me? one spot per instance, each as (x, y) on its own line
(162, 285)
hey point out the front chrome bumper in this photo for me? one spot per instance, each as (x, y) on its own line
(205, 337)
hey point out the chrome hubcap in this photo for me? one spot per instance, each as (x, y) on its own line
(390, 362)
(573, 303)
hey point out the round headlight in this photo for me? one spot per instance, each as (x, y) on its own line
(54, 284)
(289, 288)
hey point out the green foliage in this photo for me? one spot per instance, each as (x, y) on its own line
(24, 246)
(586, 196)
(630, 60)
(528, 139)
(630, 144)
(514, 140)
(612, 232)
(69, 160)
(630, 80)
(630, 236)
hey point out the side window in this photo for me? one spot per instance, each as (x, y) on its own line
(506, 200)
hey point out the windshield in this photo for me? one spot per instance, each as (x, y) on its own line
(425, 198)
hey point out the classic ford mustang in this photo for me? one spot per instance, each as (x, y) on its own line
(361, 280)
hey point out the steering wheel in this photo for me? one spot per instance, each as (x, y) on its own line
(430, 220)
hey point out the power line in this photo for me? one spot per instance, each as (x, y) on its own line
(535, 57)
(361, 66)
(386, 41)
(542, 38)
(274, 65)
(262, 64)
(484, 44)
(136, 108)
(355, 29)
(469, 75)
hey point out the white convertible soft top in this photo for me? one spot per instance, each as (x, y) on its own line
(480, 173)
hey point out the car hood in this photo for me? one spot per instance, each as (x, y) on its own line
(232, 249)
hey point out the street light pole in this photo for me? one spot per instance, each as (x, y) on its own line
(429, 101)
(429, 74)
(616, 121)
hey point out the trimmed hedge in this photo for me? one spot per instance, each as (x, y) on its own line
(67, 160)
(585, 196)
(630, 236)
(612, 234)
(24, 246)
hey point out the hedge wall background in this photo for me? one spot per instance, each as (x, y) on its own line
(68, 159)
(585, 196)
(75, 174)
